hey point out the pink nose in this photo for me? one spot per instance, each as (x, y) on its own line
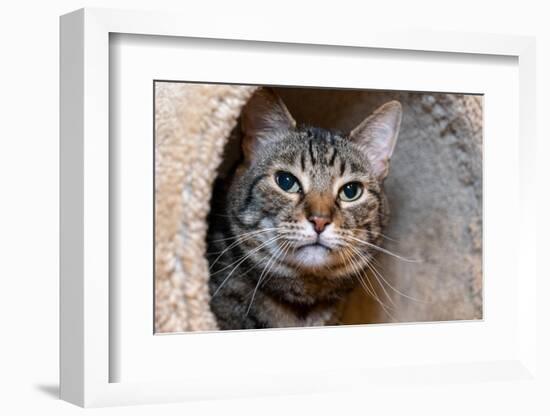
(319, 222)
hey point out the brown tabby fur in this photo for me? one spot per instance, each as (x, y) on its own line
(269, 268)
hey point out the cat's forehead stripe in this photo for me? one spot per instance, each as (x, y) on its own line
(342, 167)
(311, 157)
(333, 157)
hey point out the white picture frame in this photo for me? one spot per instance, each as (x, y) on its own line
(86, 356)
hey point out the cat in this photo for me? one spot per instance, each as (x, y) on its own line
(294, 228)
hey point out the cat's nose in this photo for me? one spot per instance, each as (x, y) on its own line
(319, 222)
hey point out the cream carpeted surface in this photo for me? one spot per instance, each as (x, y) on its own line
(192, 123)
(434, 188)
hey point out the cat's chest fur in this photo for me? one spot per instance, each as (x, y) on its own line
(241, 305)
(278, 314)
(286, 317)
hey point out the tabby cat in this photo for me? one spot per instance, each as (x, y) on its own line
(295, 227)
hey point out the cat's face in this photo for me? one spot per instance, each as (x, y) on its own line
(307, 200)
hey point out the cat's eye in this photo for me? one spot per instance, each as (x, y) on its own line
(351, 191)
(287, 182)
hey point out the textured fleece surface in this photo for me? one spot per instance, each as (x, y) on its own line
(434, 189)
(192, 123)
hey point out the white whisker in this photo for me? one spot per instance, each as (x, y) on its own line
(250, 253)
(358, 271)
(381, 279)
(380, 249)
(265, 272)
(375, 273)
(247, 236)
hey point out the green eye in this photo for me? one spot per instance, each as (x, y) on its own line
(287, 182)
(351, 191)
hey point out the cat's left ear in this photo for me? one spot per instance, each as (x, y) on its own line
(264, 120)
(377, 135)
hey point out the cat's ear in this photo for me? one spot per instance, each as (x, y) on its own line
(264, 120)
(377, 135)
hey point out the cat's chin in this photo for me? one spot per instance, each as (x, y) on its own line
(313, 256)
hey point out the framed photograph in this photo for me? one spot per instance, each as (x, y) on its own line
(281, 213)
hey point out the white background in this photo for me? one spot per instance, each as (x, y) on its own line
(29, 205)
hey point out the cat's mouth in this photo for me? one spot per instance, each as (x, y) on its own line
(316, 244)
(312, 255)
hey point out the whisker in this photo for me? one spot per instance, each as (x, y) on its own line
(248, 254)
(397, 290)
(244, 234)
(370, 290)
(381, 279)
(265, 271)
(287, 247)
(385, 307)
(375, 273)
(380, 249)
(248, 236)
(376, 234)
(349, 259)
(378, 277)
(253, 251)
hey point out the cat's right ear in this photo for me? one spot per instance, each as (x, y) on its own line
(265, 119)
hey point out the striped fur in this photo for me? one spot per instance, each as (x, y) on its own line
(269, 268)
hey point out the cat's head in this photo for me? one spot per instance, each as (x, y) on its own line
(309, 199)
